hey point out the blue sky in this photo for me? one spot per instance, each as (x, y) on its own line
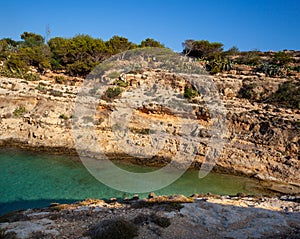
(247, 24)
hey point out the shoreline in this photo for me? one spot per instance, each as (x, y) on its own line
(171, 217)
(269, 186)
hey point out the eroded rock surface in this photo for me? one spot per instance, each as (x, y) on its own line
(162, 217)
(262, 140)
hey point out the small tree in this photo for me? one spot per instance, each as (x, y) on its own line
(32, 39)
(149, 42)
(202, 49)
(119, 44)
(7, 47)
(233, 51)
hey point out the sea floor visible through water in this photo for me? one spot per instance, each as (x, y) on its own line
(33, 179)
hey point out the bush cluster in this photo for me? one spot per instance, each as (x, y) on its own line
(75, 56)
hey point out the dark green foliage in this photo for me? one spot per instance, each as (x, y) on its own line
(202, 49)
(287, 95)
(114, 229)
(296, 68)
(56, 64)
(60, 79)
(119, 44)
(247, 92)
(32, 39)
(19, 74)
(233, 51)
(270, 69)
(19, 111)
(190, 92)
(16, 63)
(141, 131)
(80, 68)
(149, 42)
(121, 83)
(41, 87)
(7, 46)
(113, 92)
(31, 77)
(38, 56)
(78, 55)
(281, 59)
(31, 52)
(251, 58)
(56, 93)
(113, 75)
(218, 65)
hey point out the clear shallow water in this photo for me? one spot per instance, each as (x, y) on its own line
(30, 179)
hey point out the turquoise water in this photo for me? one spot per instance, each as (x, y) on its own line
(30, 179)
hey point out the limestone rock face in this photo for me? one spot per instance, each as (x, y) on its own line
(262, 140)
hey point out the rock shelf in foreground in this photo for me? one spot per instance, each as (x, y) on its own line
(201, 216)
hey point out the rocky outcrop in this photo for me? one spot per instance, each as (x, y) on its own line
(262, 140)
(201, 216)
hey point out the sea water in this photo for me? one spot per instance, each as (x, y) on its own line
(31, 179)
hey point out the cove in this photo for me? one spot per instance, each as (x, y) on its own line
(34, 179)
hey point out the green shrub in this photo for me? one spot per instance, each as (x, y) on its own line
(251, 58)
(247, 92)
(296, 68)
(114, 229)
(55, 64)
(190, 92)
(270, 70)
(202, 49)
(287, 95)
(18, 73)
(149, 42)
(120, 83)
(113, 75)
(60, 79)
(80, 68)
(19, 111)
(56, 93)
(218, 65)
(281, 59)
(16, 63)
(141, 131)
(113, 92)
(31, 77)
(31, 39)
(41, 87)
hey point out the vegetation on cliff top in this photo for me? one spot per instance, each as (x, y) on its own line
(77, 56)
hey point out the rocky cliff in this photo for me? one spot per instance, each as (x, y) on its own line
(261, 138)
